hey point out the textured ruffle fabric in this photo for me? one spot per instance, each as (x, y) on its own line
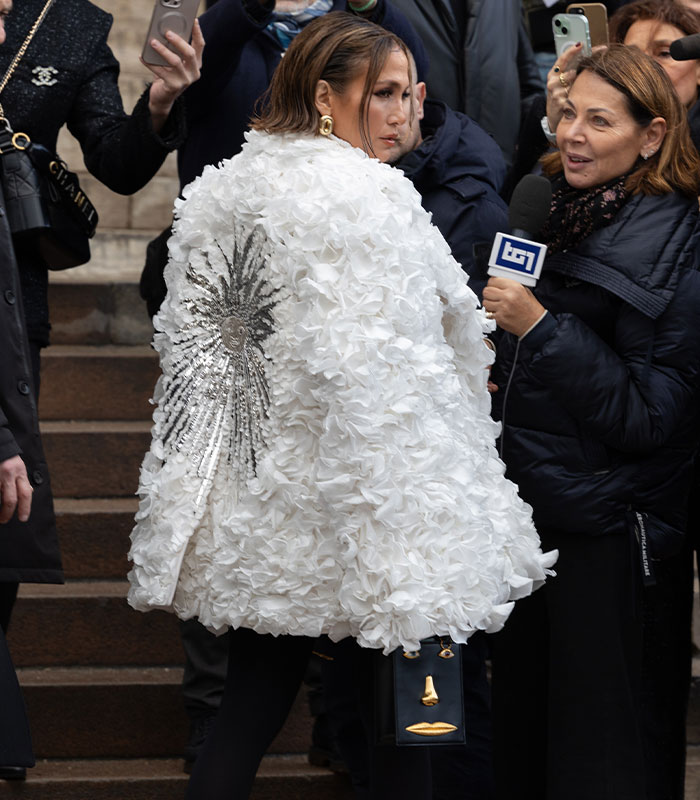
(371, 502)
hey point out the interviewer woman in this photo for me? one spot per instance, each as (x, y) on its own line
(598, 379)
(323, 459)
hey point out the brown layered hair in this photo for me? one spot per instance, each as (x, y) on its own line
(665, 12)
(648, 94)
(335, 48)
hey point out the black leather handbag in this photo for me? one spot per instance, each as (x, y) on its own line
(419, 695)
(46, 208)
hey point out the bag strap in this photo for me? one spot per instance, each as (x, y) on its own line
(22, 50)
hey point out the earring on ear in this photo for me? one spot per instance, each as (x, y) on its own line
(326, 126)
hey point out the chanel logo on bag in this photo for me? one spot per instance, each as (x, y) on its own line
(44, 76)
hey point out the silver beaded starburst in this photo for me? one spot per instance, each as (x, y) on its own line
(216, 398)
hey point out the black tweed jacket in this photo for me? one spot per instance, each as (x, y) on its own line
(69, 75)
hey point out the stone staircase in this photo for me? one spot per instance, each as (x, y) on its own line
(101, 681)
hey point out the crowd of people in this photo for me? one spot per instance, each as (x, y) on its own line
(362, 439)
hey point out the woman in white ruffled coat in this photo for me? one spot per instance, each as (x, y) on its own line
(323, 459)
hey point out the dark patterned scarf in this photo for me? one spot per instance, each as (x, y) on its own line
(576, 213)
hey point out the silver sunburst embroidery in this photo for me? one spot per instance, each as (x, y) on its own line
(217, 397)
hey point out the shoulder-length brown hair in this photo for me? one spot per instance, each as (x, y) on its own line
(664, 12)
(648, 93)
(336, 48)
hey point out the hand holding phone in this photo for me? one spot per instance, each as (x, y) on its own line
(569, 29)
(597, 16)
(177, 16)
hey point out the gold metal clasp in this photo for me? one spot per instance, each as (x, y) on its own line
(20, 141)
(430, 697)
(411, 654)
(446, 651)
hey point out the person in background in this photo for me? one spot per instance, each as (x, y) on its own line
(599, 375)
(481, 61)
(69, 76)
(246, 40)
(651, 25)
(19, 437)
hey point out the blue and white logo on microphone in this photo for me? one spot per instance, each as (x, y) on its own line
(515, 258)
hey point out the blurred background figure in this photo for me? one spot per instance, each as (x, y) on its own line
(122, 151)
(652, 25)
(481, 61)
(18, 424)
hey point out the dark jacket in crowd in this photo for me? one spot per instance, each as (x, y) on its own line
(487, 71)
(69, 75)
(458, 170)
(239, 60)
(28, 550)
(599, 402)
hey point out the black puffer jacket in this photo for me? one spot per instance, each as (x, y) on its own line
(458, 170)
(599, 402)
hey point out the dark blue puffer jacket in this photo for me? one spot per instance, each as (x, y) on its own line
(458, 170)
(599, 402)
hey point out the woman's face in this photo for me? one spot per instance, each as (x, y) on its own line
(5, 8)
(654, 39)
(597, 136)
(388, 109)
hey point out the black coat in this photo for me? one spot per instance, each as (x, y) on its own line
(28, 550)
(599, 402)
(240, 58)
(15, 740)
(490, 73)
(458, 170)
(69, 76)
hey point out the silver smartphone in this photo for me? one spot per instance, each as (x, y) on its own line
(569, 29)
(177, 16)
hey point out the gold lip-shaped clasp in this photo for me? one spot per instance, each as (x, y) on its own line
(431, 728)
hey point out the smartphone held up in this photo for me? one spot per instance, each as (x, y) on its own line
(177, 16)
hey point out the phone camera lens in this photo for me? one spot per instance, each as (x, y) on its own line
(564, 31)
(557, 22)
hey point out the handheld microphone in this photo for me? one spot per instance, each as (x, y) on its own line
(686, 48)
(515, 255)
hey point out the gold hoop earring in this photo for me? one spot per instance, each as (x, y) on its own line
(326, 126)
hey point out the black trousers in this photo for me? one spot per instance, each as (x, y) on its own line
(567, 674)
(263, 679)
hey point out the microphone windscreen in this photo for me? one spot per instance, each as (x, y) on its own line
(529, 205)
(686, 48)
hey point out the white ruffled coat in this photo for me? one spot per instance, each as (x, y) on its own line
(378, 506)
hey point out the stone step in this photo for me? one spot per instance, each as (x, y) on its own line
(94, 536)
(279, 778)
(97, 313)
(692, 774)
(112, 382)
(95, 459)
(83, 712)
(90, 624)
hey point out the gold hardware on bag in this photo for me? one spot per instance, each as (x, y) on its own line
(431, 728)
(411, 654)
(446, 651)
(26, 141)
(430, 697)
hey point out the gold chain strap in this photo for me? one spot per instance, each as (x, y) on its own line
(22, 50)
